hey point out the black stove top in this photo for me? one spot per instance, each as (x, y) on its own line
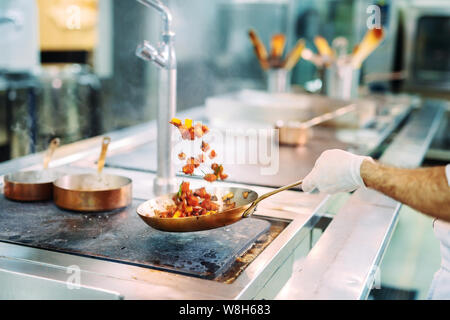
(121, 236)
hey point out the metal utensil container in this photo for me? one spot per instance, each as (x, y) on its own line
(341, 81)
(278, 80)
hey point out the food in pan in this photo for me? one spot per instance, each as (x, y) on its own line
(189, 203)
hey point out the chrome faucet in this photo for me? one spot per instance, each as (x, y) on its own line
(164, 57)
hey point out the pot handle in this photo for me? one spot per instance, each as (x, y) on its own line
(101, 159)
(250, 209)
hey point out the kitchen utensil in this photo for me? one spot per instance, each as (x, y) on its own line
(370, 42)
(277, 45)
(323, 47)
(276, 50)
(260, 49)
(93, 192)
(36, 185)
(244, 207)
(298, 133)
(278, 80)
(342, 80)
(310, 56)
(340, 47)
(294, 55)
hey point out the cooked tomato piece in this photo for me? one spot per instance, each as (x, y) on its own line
(209, 205)
(184, 187)
(212, 154)
(210, 177)
(189, 169)
(205, 129)
(176, 122)
(202, 193)
(205, 146)
(193, 161)
(193, 201)
(223, 176)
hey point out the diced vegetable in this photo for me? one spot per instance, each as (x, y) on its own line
(177, 214)
(188, 123)
(210, 177)
(193, 161)
(228, 196)
(205, 146)
(189, 169)
(189, 203)
(182, 156)
(176, 122)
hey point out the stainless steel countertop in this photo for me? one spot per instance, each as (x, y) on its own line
(115, 280)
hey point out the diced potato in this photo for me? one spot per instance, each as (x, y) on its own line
(188, 123)
(176, 122)
(177, 214)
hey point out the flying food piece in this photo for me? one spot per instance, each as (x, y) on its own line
(210, 177)
(205, 146)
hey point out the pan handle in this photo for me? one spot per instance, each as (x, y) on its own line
(101, 159)
(51, 149)
(249, 210)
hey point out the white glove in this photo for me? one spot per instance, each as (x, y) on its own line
(335, 171)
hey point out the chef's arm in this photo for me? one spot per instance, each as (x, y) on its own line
(425, 189)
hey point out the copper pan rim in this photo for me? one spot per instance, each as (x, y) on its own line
(70, 194)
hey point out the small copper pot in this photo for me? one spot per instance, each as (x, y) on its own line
(92, 192)
(29, 185)
(32, 185)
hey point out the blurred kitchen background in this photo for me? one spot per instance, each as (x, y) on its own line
(68, 67)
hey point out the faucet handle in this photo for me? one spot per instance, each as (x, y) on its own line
(147, 52)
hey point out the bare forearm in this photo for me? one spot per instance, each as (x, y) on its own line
(425, 189)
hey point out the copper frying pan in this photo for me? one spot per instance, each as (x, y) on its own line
(93, 192)
(34, 185)
(244, 208)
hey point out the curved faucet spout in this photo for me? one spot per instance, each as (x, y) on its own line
(164, 56)
(163, 10)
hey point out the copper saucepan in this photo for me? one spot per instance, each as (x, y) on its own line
(93, 192)
(244, 207)
(36, 185)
